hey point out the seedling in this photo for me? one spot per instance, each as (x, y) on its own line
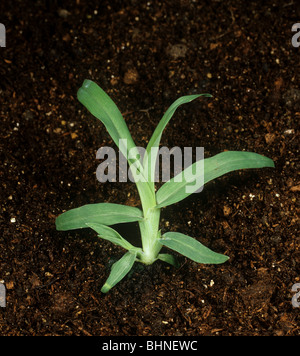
(100, 217)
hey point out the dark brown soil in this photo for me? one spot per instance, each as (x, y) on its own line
(146, 54)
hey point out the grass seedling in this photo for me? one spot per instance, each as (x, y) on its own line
(100, 217)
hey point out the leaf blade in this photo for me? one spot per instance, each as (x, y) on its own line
(103, 108)
(109, 234)
(170, 259)
(103, 213)
(173, 191)
(119, 270)
(156, 136)
(191, 248)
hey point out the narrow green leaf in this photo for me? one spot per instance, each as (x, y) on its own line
(175, 189)
(166, 257)
(191, 248)
(156, 137)
(119, 270)
(103, 108)
(107, 233)
(102, 213)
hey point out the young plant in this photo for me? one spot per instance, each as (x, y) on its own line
(100, 217)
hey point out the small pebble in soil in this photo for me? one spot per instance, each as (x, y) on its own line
(289, 131)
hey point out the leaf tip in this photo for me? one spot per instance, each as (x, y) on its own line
(226, 258)
(85, 86)
(106, 288)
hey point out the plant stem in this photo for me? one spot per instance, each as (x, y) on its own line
(149, 227)
(150, 234)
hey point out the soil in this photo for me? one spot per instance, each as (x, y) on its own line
(145, 54)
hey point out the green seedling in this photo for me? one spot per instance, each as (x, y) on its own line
(100, 217)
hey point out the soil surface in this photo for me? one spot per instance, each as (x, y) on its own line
(145, 54)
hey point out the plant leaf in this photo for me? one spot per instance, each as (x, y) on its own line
(174, 190)
(191, 248)
(103, 108)
(155, 138)
(119, 270)
(102, 213)
(107, 233)
(166, 257)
